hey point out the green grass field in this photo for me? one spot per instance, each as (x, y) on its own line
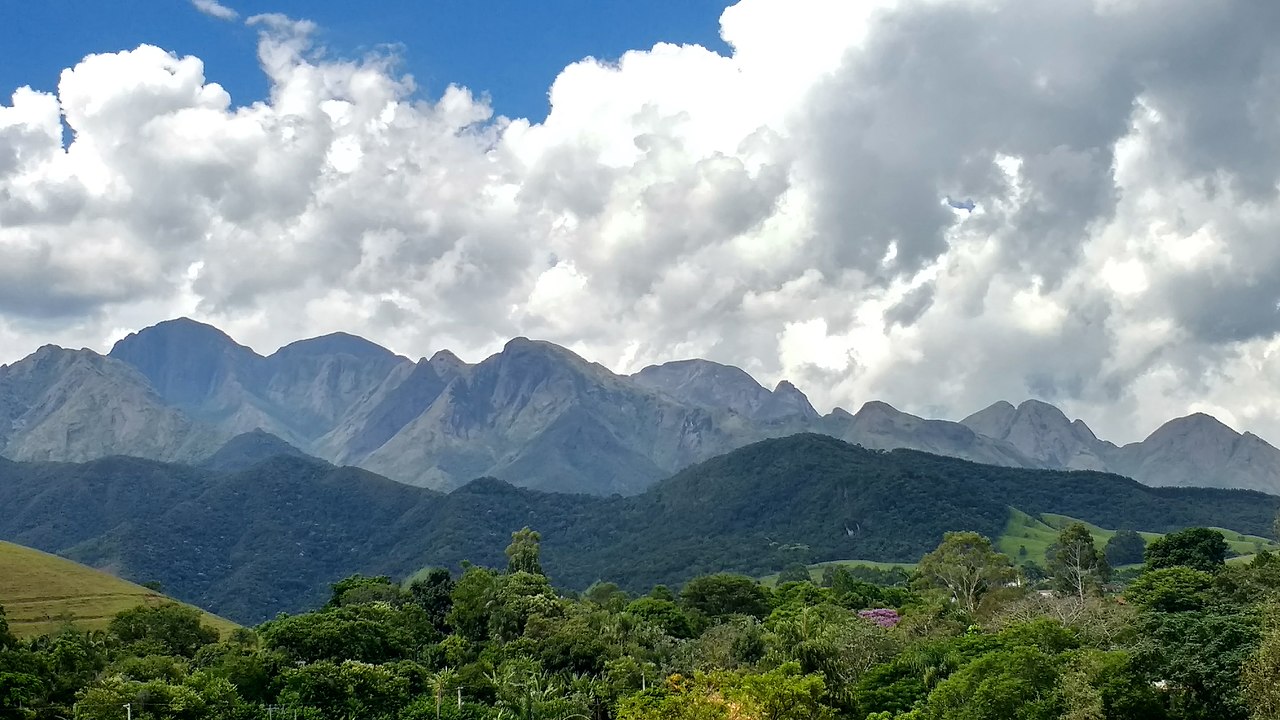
(42, 592)
(1036, 534)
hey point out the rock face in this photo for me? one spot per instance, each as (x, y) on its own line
(1199, 451)
(76, 405)
(534, 414)
(539, 416)
(1041, 433)
(1192, 451)
(880, 426)
(299, 393)
(712, 385)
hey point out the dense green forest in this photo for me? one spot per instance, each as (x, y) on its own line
(253, 541)
(967, 636)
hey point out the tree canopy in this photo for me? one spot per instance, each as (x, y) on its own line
(1198, 548)
(960, 641)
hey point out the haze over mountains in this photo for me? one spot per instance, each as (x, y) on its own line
(257, 538)
(535, 415)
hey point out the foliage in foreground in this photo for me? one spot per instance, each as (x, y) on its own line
(966, 638)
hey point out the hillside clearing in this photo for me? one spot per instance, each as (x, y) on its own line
(1028, 538)
(42, 592)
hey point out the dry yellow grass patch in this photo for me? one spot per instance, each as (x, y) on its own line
(42, 592)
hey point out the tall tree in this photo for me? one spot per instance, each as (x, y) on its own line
(173, 628)
(1078, 567)
(432, 591)
(441, 683)
(524, 554)
(724, 594)
(1125, 548)
(1199, 548)
(967, 565)
(795, 572)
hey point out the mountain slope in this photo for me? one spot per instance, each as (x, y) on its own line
(77, 405)
(534, 414)
(712, 385)
(1197, 450)
(540, 416)
(298, 393)
(244, 451)
(40, 592)
(269, 538)
(880, 426)
(404, 395)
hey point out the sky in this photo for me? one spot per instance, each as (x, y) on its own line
(509, 50)
(934, 203)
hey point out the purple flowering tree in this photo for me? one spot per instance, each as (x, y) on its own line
(884, 617)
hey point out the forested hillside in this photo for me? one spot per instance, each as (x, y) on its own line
(249, 543)
(964, 637)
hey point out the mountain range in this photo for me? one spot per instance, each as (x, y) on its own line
(271, 529)
(535, 415)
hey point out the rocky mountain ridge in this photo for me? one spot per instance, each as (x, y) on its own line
(535, 414)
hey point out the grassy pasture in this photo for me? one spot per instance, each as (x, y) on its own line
(1036, 534)
(42, 592)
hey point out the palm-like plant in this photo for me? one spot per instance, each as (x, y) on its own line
(441, 682)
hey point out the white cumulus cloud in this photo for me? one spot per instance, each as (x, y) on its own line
(783, 208)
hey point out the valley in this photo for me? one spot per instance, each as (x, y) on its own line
(250, 541)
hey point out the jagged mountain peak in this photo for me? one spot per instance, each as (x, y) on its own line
(49, 361)
(993, 420)
(521, 343)
(1200, 450)
(1255, 438)
(55, 354)
(1084, 429)
(446, 364)
(704, 382)
(699, 366)
(446, 356)
(519, 348)
(794, 399)
(1042, 433)
(840, 414)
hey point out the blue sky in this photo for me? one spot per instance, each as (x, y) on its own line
(511, 49)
